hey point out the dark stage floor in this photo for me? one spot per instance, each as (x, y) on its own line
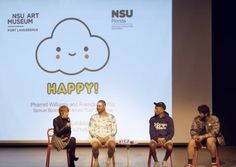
(35, 157)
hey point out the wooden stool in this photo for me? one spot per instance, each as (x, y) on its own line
(113, 161)
(150, 157)
(196, 152)
(50, 146)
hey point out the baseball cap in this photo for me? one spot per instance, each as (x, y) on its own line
(160, 104)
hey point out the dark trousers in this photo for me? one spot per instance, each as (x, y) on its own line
(71, 146)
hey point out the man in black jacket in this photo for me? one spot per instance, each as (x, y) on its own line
(62, 134)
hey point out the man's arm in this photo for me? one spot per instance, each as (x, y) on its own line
(152, 130)
(194, 129)
(92, 127)
(113, 127)
(170, 130)
(59, 131)
(214, 127)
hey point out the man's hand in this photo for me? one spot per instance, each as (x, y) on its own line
(68, 124)
(161, 142)
(106, 138)
(198, 139)
(65, 139)
(103, 140)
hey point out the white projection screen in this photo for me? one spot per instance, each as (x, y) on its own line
(77, 52)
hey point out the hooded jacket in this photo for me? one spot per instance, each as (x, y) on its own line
(210, 127)
(161, 127)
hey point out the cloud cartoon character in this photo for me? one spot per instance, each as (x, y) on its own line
(72, 49)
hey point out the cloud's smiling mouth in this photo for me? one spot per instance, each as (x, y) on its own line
(72, 54)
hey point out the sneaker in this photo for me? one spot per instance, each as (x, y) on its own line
(156, 164)
(96, 164)
(164, 164)
(108, 162)
(213, 164)
(188, 165)
(76, 158)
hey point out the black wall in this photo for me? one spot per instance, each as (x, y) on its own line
(224, 64)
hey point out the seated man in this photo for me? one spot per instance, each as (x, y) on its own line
(102, 130)
(204, 130)
(62, 132)
(161, 132)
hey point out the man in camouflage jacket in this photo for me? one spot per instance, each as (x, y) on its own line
(204, 131)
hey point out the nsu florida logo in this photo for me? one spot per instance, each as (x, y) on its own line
(121, 16)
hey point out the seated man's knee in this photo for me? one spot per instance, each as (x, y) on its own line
(152, 145)
(211, 141)
(112, 144)
(192, 143)
(95, 145)
(169, 146)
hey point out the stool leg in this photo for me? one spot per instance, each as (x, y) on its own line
(171, 163)
(113, 161)
(91, 161)
(68, 157)
(195, 158)
(48, 155)
(149, 160)
(218, 157)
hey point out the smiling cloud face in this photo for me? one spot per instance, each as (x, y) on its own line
(71, 49)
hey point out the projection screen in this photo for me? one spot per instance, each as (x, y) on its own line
(76, 52)
(128, 53)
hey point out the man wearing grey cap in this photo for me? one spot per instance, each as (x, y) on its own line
(161, 130)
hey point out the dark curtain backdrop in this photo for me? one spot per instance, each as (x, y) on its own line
(223, 64)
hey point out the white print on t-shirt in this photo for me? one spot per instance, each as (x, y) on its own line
(160, 126)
